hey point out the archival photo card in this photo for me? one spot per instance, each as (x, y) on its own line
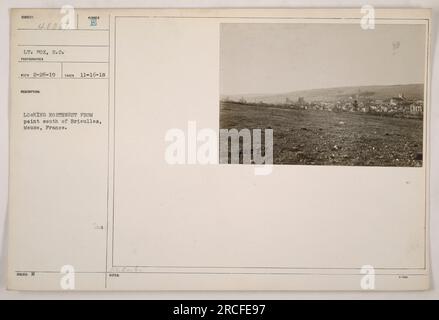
(332, 94)
(219, 149)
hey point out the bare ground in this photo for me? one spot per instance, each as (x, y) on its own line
(331, 138)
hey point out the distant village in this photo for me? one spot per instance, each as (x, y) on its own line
(398, 106)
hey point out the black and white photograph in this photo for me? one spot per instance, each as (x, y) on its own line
(333, 94)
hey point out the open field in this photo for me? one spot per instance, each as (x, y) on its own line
(311, 137)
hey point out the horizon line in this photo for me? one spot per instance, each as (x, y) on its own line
(321, 88)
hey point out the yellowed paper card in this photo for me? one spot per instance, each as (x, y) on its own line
(226, 149)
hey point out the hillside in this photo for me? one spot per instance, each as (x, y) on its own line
(411, 91)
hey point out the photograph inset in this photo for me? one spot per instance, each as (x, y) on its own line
(333, 94)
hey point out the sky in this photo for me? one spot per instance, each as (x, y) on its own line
(267, 58)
